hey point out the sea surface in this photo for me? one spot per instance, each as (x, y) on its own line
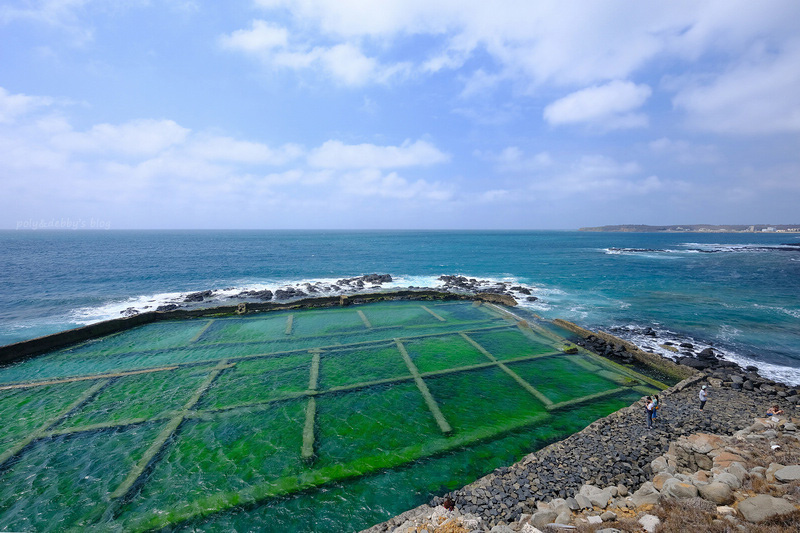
(739, 293)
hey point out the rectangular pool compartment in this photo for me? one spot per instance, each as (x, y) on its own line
(339, 368)
(259, 380)
(63, 483)
(512, 343)
(27, 409)
(129, 397)
(431, 354)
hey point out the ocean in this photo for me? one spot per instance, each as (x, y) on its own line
(739, 293)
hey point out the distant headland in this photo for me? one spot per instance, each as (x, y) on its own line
(700, 228)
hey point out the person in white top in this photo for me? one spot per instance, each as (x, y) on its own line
(703, 396)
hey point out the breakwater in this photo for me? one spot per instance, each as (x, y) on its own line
(18, 351)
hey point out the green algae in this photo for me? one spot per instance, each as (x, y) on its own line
(260, 416)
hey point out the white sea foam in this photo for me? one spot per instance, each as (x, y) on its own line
(780, 310)
(633, 333)
(316, 287)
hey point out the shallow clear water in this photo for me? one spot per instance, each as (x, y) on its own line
(152, 428)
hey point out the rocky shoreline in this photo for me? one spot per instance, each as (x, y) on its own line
(343, 287)
(617, 450)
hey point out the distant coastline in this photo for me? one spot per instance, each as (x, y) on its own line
(698, 228)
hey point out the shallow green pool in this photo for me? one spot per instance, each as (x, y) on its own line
(293, 421)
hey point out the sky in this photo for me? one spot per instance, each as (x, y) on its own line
(398, 114)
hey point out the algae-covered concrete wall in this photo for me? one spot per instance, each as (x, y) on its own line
(24, 349)
(650, 359)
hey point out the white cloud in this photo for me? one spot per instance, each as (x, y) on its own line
(15, 105)
(135, 138)
(547, 43)
(262, 37)
(337, 155)
(609, 106)
(372, 182)
(343, 62)
(685, 152)
(218, 148)
(757, 96)
(513, 159)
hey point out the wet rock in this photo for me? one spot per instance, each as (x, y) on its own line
(264, 295)
(167, 307)
(198, 296)
(288, 292)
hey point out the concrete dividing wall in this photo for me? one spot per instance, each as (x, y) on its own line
(21, 350)
(650, 359)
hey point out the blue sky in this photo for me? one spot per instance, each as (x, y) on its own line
(398, 113)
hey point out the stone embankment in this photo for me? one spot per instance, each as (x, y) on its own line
(704, 482)
(618, 457)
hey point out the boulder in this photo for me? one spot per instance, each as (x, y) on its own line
(763, 507)
(197, 296)
(717, 492)
(646, 495)
(573, 504)
(659, 480)
(675, 488)
(704, 443)
(583, 501)
(659, 464)
(728, 479)
(541, 518)
(597, 496)
(725, 459)
(738, 470)
(788, 474)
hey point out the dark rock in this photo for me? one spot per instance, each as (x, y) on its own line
(287, 293)
(707, 353)
(198, 296)
(167, 307)
(266, 294)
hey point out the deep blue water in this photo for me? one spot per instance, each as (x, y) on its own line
(740, 292)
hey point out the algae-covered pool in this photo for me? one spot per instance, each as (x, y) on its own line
(301, 420)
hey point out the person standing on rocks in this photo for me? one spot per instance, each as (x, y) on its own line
(703, 396)
(655, 406)
(649, 407)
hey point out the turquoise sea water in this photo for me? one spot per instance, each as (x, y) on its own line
(739, 292)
